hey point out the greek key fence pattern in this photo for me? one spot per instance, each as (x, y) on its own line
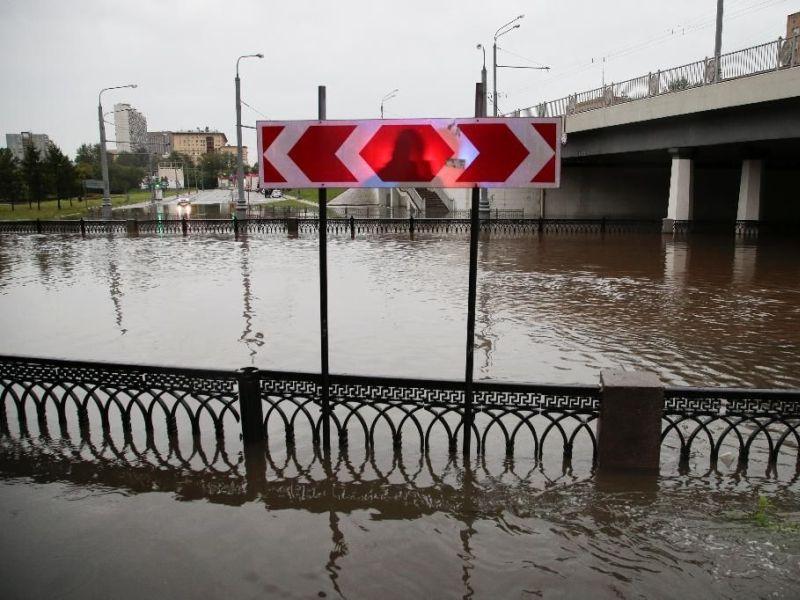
(122, 412)
(194, 420)
(733, 425)
(420, 413)
(335, 226)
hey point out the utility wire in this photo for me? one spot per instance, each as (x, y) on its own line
(253, 109)
(691, 26)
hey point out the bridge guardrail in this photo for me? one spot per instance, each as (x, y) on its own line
(763, 58)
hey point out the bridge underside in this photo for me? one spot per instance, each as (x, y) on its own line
(735, 169)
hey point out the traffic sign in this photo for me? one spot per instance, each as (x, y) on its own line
(441, 153)
(93, 184)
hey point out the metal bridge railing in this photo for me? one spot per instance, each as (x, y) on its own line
(770, 56)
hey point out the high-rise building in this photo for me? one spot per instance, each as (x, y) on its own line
(197, 143)
(131, 128)
(159, 142)
(17, 142)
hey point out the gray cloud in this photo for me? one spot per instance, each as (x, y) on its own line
(57, 55)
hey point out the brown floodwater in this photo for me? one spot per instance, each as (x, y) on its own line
(79, 522)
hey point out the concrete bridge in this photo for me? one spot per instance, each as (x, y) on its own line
(689, 145)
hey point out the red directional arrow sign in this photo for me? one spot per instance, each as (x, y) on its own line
(486, 152)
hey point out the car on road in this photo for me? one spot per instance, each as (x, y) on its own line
(276, 194)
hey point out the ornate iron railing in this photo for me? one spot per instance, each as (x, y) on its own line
(199, 414)
(763, 58)
(404, 412)
(339, 226)
(197, 420)
(733, 423)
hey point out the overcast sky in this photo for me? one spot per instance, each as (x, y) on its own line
(57, 55)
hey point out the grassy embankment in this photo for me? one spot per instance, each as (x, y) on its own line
(49, 208)
(311, 195)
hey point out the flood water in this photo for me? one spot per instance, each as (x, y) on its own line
(708, 311)
(557, 308)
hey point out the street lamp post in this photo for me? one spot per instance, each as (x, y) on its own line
(510, 26)
(106, 209)
(388, 96)
(241, 205)
(483, 201)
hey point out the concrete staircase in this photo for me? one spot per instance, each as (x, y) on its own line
(434, 206)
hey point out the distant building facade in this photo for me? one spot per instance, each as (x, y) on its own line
(159, 142)
(130, 127)
(17, 142)
(232, 151)
(197, 143)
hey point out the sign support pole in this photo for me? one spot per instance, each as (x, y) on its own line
(323, 296)
(474, 231)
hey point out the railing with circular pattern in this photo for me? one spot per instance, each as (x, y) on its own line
(195, 419)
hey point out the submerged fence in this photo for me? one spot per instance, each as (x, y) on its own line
(350, 226)
(205, 420)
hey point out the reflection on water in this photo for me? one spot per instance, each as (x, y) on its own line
(308, 524)
(702, 311)
(140, 514)
(252, 340)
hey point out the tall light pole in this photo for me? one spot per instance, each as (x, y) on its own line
(241, 205)
(388, 96)
(106, 209)
(718, 43)
(483, 77)
(483, 200)
(510, 26)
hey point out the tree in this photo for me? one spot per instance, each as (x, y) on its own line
(123, 173)
(216, 165)
(10, 183)
(128, 159)
(677, 85)
(89, 154)
(60, 174)
(33, 175)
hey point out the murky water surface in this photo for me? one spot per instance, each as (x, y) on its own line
(707, 311)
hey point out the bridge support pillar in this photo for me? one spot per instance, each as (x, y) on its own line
(748, 215)
(681, 192)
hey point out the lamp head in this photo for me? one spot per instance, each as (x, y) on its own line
(259, 55)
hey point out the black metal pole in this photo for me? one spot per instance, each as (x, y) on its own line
(473, 282)
(323, 297)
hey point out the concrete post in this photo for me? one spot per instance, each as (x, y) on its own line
(292, 227)
(681, 190)
(629, 427)
(748, 213)
(132, 226)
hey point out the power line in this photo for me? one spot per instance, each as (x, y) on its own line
(253, 109)
(692, 25)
